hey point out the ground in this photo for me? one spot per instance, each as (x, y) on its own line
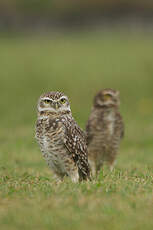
(78, 64)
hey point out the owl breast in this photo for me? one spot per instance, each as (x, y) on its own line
(110, 124)
(105, 129)
(103, 134)
(50, 135)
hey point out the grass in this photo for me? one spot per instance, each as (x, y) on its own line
(79, 65)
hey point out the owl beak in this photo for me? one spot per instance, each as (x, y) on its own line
(56, 105)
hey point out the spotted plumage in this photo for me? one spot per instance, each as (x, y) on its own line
(104, 130)
(62, 142)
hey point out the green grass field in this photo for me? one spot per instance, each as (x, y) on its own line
(79, 65)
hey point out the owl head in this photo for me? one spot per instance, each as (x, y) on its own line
(54, 102)
(107, 98)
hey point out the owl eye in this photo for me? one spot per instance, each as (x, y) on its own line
(63, 100)
(107, 97)
(47, 101)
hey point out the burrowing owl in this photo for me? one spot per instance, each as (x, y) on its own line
(104, 129)
(62, 142)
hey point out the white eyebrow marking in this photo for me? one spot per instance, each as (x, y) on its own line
(47, 98)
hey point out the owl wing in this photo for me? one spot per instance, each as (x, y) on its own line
(75, 142)
(89, 131)
(123, 130)
(121, 125)
(38, 128)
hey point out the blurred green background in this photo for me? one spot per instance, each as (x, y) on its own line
(78, 64)
(46, 15)
(37, 55)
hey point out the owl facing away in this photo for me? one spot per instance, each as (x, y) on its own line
(105, 129)
(62, 142)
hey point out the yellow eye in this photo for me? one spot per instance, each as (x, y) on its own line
(47, 101)
(107, 97)
(63, 100)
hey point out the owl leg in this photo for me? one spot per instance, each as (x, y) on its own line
(112, 162)
(99, 166)
(93, 167)
(112, 165)
(74, 175)
(72, 170)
